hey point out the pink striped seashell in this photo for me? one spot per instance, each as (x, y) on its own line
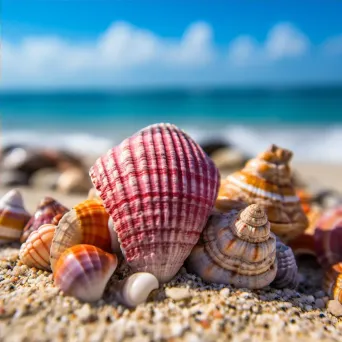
(35, 252)
(83, 271)
(47, 209)
(159, 187)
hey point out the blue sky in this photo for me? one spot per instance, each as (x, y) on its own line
(95, 43)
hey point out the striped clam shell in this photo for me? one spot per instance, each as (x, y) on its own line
(159, 188)
(86, 223)
(236, 248)
(328, 237)
(83, 271)
(47, 209)
(287, 272)
(266, 180)
(332, 282)
(35, 252)
(13, 217)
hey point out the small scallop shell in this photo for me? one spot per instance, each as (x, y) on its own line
(236, 248)
(328, 237)
(135, 289)
(287, 273)
(83, 271)
(13, 217)
(47, 209)
(266, 180)
(332, 282)
(159, 187)
(35, 252)
(86, 223)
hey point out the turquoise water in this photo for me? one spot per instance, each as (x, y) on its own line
(250, 118)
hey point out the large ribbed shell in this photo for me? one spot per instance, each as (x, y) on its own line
(86, 223)
(236, 248)
(83, 271)
(13, 217)
(159, 187)
(266, 180)
(35, 252)
(47, 209)
(287, 273)
(332, 282)
(328, 237)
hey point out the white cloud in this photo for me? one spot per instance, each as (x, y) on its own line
(283, 41)
(124, 52)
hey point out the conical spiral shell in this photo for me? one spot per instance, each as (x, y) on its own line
(86, 223)
(328, 237)
(159, 188)
(47, 209)
(83, 271)
(266, 180)
(135, 289)
(13, 217)
(332, 282)
(35, 252)
(287, 271)
(236, 248)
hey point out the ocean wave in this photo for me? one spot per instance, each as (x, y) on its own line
(316, 144)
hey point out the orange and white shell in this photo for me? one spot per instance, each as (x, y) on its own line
(236, 248)
(13, 217)
(266, 180)
(328, 237)
(35, 252)
(86, 223)
(83, 271)
(332, 282)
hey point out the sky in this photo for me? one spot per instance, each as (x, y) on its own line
(135, 43)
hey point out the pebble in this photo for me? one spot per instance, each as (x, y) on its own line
(178, 293)
(319, 303)
(225, 292)
(319, 294)
(335, 308)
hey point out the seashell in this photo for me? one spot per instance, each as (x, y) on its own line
(328, 237)
(266, 180)
(35, 252)
(236, 248)
(287, 270)
(159, 187)
(332, 282)
(83, 271)
(47, 209)
(304, 244)
(135, 289)
(56, 219)
(13, 216)
(93, 195)
(86, 223)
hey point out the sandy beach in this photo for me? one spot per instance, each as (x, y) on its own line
(33, 309)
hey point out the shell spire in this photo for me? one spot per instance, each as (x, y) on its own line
(267, 180)
(13, 216)
(159, 187)
(236, 248)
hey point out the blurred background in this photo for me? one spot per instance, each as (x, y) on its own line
(79, 76)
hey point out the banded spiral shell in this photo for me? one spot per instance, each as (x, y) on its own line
(83, 271)
(47, 209)
(328, 237)
(159, 188)
(266, 180)
(35, 252)
(86, 223)
(13, 217)
(332, 282)
(236, 248)
(287, 270)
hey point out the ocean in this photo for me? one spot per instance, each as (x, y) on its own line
(305, 120)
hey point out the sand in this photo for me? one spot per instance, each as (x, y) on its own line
(186, 309)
